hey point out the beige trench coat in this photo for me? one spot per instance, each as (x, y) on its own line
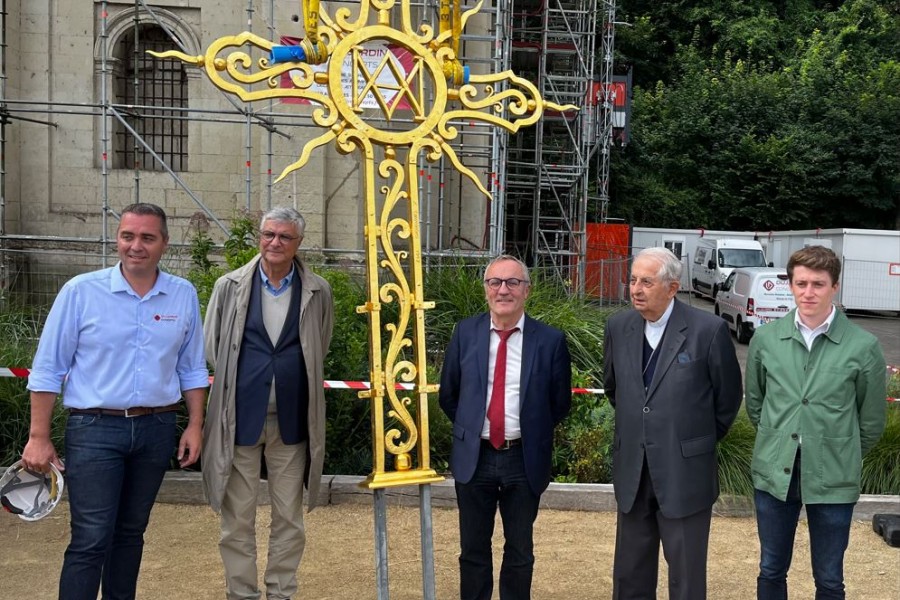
(223, 332)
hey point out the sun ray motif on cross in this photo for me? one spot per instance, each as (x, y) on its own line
(393, 246)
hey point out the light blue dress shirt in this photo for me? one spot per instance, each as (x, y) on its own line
(267, 283)
(115, 350)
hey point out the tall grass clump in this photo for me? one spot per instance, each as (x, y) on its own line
(735, 452)
(458, 293)
(19, 334)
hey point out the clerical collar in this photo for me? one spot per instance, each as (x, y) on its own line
(661, 323)
(653, 330)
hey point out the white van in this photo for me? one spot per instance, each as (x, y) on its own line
(752, 297)
(714, 259)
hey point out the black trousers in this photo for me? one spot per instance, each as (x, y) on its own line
(638, 535)
(499, 481)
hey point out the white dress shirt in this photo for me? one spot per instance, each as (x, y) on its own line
(513, 377)
(810, 335)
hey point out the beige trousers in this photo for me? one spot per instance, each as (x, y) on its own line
(286, 465)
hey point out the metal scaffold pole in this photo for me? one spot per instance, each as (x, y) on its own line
(606, 103)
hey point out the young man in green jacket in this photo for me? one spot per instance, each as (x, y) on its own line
(815, 391)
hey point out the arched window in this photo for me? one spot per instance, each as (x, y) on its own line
(145, 90)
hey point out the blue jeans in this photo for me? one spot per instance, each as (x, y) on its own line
(114, 467)
(829, 534)
(499, 480)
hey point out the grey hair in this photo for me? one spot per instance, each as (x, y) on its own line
(284, 214)
(501, 257)
(670, 266)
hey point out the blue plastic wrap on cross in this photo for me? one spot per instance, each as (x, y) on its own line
(281, 54)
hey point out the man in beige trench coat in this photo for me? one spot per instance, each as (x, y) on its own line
(268, 327)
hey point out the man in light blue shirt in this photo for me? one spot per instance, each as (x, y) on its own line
(122, 345)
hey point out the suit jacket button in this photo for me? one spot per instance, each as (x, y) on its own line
(646, 409)
(787, 470)
(805, 401)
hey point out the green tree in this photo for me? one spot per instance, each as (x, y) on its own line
(765, 122)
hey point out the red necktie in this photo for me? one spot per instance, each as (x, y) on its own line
(497, 408)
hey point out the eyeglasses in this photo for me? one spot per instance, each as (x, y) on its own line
(269, 236)
(512, 283)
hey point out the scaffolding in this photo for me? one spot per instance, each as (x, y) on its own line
(549, 174)
(539, 178)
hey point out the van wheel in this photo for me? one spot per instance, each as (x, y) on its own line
(715, 291)
(742, 331)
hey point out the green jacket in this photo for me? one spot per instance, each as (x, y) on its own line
(832, 399)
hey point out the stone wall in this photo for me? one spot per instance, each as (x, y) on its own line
(54, 180)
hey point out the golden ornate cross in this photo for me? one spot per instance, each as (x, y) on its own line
(393, 245)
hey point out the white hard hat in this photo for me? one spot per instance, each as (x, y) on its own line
(30, 494)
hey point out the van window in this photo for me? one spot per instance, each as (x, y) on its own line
(742, 284)
(726, 286)
(736, 257)
(701, 256)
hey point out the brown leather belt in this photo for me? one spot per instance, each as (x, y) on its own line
(134, 411)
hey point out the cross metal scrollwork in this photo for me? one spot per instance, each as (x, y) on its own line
(393, 246)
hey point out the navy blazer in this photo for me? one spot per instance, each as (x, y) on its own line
(545, 394)
(692, 401)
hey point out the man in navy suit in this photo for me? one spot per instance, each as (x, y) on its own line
(674, 379)
(505, 384)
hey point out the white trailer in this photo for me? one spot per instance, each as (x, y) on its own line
(870, 277)
(683, 242)
(870, 273)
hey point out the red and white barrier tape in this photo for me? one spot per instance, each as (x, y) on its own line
(328, 384)
(333, 384)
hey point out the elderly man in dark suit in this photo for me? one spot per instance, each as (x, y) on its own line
(673, 377)
(505, 384)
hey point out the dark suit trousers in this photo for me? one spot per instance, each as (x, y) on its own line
(638, 534)
(500, 480)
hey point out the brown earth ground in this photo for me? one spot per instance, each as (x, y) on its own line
(574, 552)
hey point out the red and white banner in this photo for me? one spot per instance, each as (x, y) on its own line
(383, 61)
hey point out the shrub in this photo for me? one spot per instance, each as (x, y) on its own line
(893, 383)
(203, 273)
(583, 441)
(348, 435)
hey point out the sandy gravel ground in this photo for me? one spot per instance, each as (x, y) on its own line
(574, 556)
